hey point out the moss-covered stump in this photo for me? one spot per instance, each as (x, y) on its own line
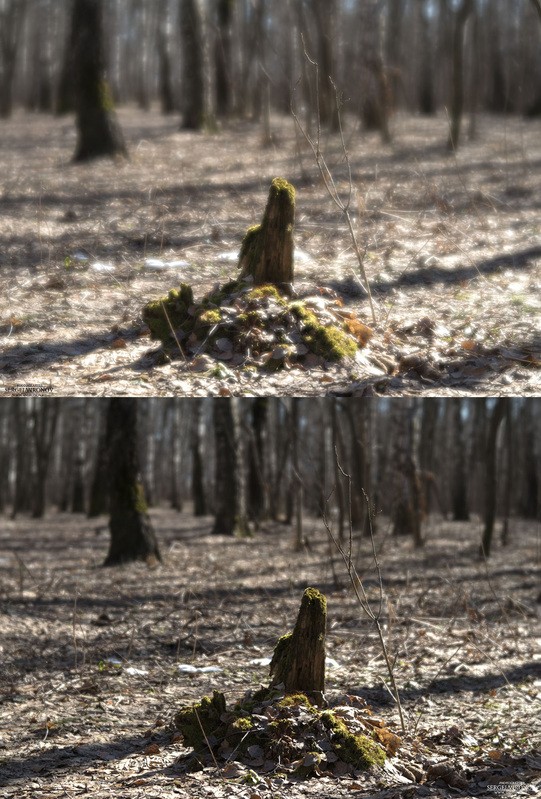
(298, 661)
(285, 734)
(266, 254)
(255, 326)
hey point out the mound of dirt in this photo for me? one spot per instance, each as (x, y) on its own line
(270, 731)
(261, 326)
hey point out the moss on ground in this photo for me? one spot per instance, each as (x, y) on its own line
(169, 313)
(256, 320)
(359, 750)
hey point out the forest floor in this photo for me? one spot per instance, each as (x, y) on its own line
(453, 253)
(95, 662)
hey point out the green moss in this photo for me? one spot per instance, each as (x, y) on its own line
(328, 341)
(106, 97)
(201, 724)
(168, 312)
(266, 290)
(210, 317)
(140, 501)
(314, 595)
(359, 750)
(249, 319)
(250, 242)
(304, 314)
(290, 700)
(283, 186)
(241, 724)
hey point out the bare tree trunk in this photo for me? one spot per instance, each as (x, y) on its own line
(132, 535)
(296, 477)
(406, 508)
(496, 418)
(194, 105)
(198, 486)
(44, 422)
(257, 486)
(12, 14)
(226, 486)
(98, 133)
(222, 58)
(459, 482)
(457, 99)
(427, 98)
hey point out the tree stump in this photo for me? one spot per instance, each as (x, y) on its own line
(299, 657)
(267, 250)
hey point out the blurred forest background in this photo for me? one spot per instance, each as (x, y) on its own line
(218, 58)
(246, 461)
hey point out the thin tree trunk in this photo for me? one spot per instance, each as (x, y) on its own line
(490, 474)
(457, 100)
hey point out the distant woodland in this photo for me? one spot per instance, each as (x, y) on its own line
(234, 57)
(248, 460)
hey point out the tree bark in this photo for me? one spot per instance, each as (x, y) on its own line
(457, 99)
(490, 475)
(299, 657)
(132, 535)
(198, 486)
(226, 488)
(267, 250)
(98, 133)
(194, 106)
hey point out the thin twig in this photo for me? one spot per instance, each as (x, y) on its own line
(326, 174)
(360, 592)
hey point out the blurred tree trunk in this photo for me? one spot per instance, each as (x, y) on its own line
(257, 486)
(325, 16)
(376, 100)
(222, 57)
(510, 467)
(427, 95)
(457, 89)
(341, 493)
(296, 477)
(457, 450)
(498, 413)
(406, 510)
(44, 415)
(12, 16)
(98, 500)
(65, 91)
(194, 104)
(132, 535)
(98, 133)
(226, 480)
(530, 446)
(165, 83)
(198, 485)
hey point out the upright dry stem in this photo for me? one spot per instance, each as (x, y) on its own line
(359, 589)
(327, 177)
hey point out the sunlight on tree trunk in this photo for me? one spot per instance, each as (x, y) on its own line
(299, 657)
(267, 250)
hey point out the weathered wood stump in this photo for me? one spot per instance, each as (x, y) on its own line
(299, 657)
(267, 249)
